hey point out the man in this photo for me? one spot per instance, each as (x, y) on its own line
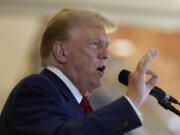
(74, 54)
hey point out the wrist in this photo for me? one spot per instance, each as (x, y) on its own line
(134, 100)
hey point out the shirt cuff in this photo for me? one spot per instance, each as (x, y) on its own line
(135, 109)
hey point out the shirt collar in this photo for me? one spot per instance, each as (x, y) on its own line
(68, 83)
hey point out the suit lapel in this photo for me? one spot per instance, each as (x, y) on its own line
(74, 106)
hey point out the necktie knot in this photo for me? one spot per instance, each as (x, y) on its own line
(86, 105)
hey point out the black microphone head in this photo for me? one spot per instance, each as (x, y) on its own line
(123, 77)
(156, 91)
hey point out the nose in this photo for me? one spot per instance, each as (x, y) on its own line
(104, 54)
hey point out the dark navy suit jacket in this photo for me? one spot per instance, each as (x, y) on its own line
(43, 105)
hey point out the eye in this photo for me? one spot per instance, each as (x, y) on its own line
(95, 44)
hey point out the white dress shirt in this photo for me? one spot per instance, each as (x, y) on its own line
(68, 83)
(76, 92)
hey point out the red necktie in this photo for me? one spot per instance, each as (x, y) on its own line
(86, 105)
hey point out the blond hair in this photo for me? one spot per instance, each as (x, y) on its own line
(59, 26)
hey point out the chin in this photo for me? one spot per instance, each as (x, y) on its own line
(95, 84)
(98, 84)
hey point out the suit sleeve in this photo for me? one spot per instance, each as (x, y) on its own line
(39, 111)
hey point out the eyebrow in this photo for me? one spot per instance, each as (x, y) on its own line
(107, 42)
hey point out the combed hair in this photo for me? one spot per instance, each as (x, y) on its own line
(59, 26)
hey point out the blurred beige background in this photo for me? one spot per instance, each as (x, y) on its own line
(142, 24)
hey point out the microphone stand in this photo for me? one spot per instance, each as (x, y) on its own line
(166, 104)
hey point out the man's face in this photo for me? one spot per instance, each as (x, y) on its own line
(86, 57)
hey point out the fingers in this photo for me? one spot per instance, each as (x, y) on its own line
(145, 60)
(153, 80)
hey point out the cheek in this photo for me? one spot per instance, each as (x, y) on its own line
(84, 66)
(88, 62)
(85, 61)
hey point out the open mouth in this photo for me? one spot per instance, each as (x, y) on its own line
(101, 69)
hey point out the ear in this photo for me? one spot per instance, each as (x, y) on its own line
(59, 52)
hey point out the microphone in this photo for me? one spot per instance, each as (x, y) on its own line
(157, 92)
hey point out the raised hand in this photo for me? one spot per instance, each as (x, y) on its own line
(138, 88)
